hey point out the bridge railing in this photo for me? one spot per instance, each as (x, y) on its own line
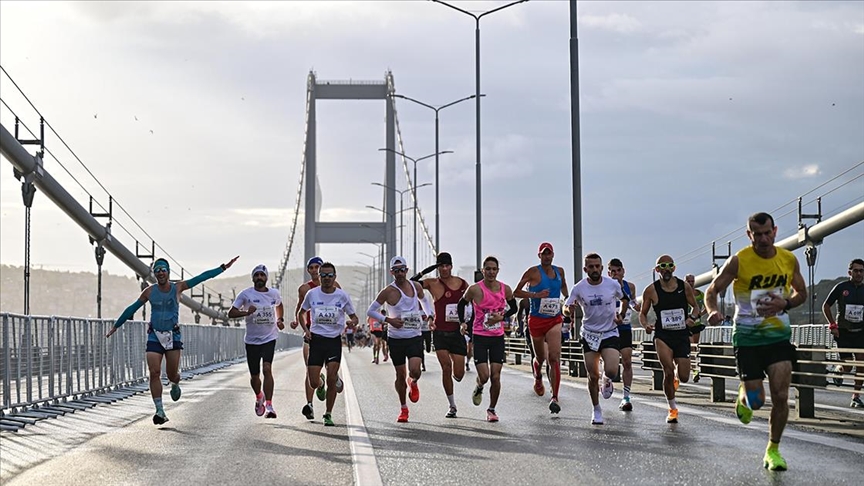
(46, 359)
(818, 360)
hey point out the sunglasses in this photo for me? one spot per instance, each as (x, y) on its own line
(327, 275)
(666, 265)
(160, 270)
(399, 269)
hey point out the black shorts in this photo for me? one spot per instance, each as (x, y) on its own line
(678, 341)
(625, 338)
(451, 341)
(752, 361)
(613, 342)
(323, 350)
(378, 334)
(402, 349)
(697, 329)
(255, 353)
(849, 339)
(488, 349)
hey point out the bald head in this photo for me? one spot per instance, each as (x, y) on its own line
(666, 267)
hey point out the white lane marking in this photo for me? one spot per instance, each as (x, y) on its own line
(366, 472)
(816, 438)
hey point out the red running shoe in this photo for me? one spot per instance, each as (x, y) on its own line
(539, 389)
(414, 393)
(403, 415)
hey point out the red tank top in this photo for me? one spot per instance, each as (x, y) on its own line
(446, 306)
(311, 284)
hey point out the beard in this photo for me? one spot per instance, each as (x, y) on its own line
(666, 276)
(260, 284)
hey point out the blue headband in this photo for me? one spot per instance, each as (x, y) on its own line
(161, 264)
(313, 260)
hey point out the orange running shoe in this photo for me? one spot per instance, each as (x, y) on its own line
(672, 418)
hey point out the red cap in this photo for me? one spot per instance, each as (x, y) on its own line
(545, 246)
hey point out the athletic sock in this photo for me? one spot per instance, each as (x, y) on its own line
(672, 404)
(452, 400)
(259, 396)
(268, 403)
(626, 392)
(158, 403)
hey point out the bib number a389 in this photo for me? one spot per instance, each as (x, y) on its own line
(672, 319)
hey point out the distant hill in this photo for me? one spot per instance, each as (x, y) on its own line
(65, 293)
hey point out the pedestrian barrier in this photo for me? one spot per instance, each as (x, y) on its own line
(52, 365)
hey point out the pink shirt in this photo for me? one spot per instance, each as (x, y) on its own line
(492, 302)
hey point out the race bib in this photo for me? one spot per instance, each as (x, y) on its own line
(491, 326)
(412, 320)
(759, 300)
(592, 338)
(166, 339)
(451, 314)
(424, 325)
(549, 307)
(672, 319)
(854, 313)
(326, 315)
(264, 316)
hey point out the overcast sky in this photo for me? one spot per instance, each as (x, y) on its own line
(694, 115)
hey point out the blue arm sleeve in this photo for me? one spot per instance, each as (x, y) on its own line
(204, 276)
(128, 313)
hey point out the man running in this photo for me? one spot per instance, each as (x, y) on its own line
(163, 334)
(349, 337)
(848, 325)
(698, 326)
(312, 267)
(546, 284)
(671, 298)
(597, 296)
(767, 282)
(264, 313)
(625, 331)
(450, 345)
(327, 307)
(379, 338)
(493, 302)
(404, 316)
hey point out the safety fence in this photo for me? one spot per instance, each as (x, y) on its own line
(820, 364)
(50, 359)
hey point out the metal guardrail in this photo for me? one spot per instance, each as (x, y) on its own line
(49, 359)
(713, 357)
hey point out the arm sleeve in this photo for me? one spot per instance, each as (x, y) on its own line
(128, 313)
(204, 276)
(428, 306)
(513, 307)
(460, 309)
(374, 312)
(423, 272)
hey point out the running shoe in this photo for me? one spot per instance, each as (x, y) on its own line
(597, 417)
(625, 405)
(422, 367)
(159, 418)
(321, 392)
(773, 461)
(837, 380)
(539, 389)
(339, 385)
(403, 415)
(259, 406)
(414, 393)
(175, 391)
(553, 405)
(308, 412)
(672, 418)
(696, 376)
(386, 356)
(608, 388)
(451, 413)
(328, 420)
(477, 396)
(270, 413)
(491, 416)
(856, 402)
(742, 408)
(467, 366)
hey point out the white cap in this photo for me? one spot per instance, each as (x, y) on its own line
(398, 261)
(261, 268)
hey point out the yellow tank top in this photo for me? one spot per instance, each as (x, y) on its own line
(757, 277)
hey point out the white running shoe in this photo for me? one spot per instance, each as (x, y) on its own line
(597, 417)
(608, 388)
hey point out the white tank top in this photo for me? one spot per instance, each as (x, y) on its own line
(407, 309)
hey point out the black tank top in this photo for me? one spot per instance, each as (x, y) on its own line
(671, 308)
(450, 297)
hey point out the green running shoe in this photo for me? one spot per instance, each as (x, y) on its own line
(175, 391)
(328, 421)
(744, 412)
(321, 392)
(477, 396)
(773, 461)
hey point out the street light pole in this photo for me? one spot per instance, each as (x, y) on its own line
(477, 100)
(414, 186)
(437, 186)
(401, 211)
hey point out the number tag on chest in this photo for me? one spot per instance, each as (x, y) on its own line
(412, 320)
(854, 312)
(166, 339)
(451, 314)
(264, 316)
(491, 326)
(549, 306)
(672, 319)
(326, 315)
